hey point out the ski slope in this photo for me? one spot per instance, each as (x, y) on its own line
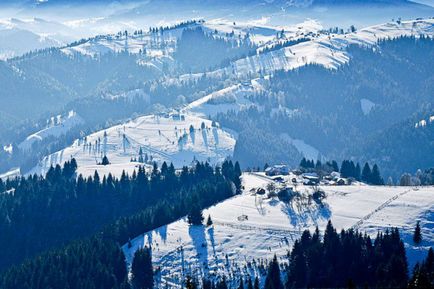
(272, 226)
(165, 137)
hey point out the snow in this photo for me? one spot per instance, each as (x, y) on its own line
(423, 122)
(57, 127)
(154, 44)
(308, 151)
(20, 36)
(233, 98)
(165, 137)
(272, 226)
(11, 174)
(366, 105)
(8, 148)
(328, 50)
(131, 95)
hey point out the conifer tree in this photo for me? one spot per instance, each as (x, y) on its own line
(105, 161)
(249, 283)
(417, 236)
(376, 178)
(141, 269)
(256, 284)
(241, 286)
(335, 166)
(195, 216)
(209, 221)
(272, 281)
(366, 173)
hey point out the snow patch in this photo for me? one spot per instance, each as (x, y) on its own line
(366, 105)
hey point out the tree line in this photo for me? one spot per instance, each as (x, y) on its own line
(346, 259)
(39, 213)
(348, 169)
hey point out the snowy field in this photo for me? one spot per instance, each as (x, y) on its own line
(176, 138)
(272, 226)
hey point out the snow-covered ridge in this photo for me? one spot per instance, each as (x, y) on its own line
(250, 226)
(328, 50)
(175, 137)
(162, 43)
(234, 97)
(57, 126)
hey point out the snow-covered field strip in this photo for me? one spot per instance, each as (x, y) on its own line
(271, 226)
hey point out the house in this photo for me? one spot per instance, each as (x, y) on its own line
(260, 191)
(242, 218)
(310, 179)
(278, 179)
(277, 170)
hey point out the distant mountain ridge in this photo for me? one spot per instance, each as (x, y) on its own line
(215, 2)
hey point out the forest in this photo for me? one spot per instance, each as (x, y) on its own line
(325, 108)
(39, 213)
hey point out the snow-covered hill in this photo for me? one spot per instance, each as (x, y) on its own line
(248, 227)
(57, 126)
(234, 97)
(175, 137)
(15, 42)
(328, 50)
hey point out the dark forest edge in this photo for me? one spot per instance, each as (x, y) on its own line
(38, 213)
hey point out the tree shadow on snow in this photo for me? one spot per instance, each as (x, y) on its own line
(212, 240)
(192, 136)
(301, 216)
(197, 235)
(216, 136)
(205, 138)
(162, 231)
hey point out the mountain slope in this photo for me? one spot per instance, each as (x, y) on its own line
(176, 138)
(248, 227)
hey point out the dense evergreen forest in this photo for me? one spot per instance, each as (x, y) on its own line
(194, 46)
(39, 213)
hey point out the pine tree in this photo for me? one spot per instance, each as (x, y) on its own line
(417, 236)
(105, 161)
(241, 286)
(256, 284)
(366, 173)
(272, 281)
(303, 163)
(141, 269)
(209, 221)
(195, 216)
(249, 283)
(335, 166)
(376, 178)
(207, 284)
